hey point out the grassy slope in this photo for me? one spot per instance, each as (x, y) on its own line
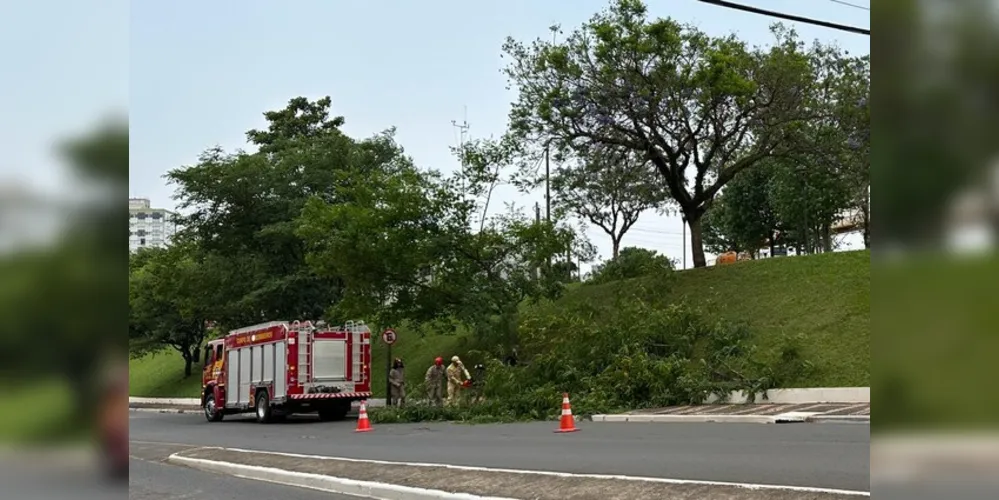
(826, 297)
(938, 335)
(51, 413)
(161, 375)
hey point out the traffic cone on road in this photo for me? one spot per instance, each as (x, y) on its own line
(363, 424)
(567, 424)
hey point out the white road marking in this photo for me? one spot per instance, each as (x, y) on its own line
(353, 487)
(751, 486)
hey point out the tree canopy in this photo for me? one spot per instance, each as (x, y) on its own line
(317, 224)
(701, 109)
(171, 298)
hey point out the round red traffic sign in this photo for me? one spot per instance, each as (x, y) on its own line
(389, 336)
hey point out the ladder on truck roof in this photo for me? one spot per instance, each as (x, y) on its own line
(304, 354)
(261, 326)
(357, 329)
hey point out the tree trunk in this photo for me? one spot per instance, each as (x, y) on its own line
(696, 239)
(866, 213)
(85, 387)
(772, 246)
(188, 362)
(827, 242)
(616, 246)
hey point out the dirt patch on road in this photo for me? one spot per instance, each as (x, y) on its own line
(505, 484)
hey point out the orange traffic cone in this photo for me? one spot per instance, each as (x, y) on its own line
(567, 424)
(363, 424)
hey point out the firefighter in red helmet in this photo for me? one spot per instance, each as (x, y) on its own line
(435, 382)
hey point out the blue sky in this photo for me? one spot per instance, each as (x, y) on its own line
(202, 73)
(65, 66)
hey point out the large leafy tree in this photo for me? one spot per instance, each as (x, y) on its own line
(701, 109)
(808, 199)
(169, 301)
(242, 207)
(743, 216)
(404, 247)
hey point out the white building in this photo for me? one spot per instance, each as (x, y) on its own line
(148, 227)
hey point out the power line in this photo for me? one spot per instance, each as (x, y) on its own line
(789, 17)
(848, 4)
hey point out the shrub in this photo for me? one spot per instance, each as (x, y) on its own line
(610, 357)
(631, 262)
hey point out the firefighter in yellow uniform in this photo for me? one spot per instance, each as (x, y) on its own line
(454, 372)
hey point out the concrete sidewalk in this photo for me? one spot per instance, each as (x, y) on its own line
(747, 413)
(401, 480)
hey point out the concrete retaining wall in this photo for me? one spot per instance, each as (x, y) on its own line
(802, 396)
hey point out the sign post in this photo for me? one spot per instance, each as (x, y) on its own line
(389, 337)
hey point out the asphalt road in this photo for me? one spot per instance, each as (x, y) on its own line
(56, 474)
(818, 455)
(150, 480)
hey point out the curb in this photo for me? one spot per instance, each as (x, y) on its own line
(165, 410)
(367, 489)
(688, 419)
(165, 401)
(860, 419)
(783, 418)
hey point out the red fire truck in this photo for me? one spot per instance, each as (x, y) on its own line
(279, 368)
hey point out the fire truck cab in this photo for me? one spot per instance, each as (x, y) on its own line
(279, 368)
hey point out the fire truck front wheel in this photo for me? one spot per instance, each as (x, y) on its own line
(263, 406)
(212, 412)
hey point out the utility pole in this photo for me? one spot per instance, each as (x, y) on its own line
(537, 220)
(461, 138)
(462, 128)
(548, 193)
(548, 189)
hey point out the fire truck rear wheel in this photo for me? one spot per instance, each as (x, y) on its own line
(263, 406)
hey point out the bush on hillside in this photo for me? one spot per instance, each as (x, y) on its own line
(632, 262)
(624, 355)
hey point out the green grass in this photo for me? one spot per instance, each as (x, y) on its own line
(824, 297)
(37, 411)
(161, 375)
(938, 335)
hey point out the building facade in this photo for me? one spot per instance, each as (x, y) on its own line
(149, 227)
